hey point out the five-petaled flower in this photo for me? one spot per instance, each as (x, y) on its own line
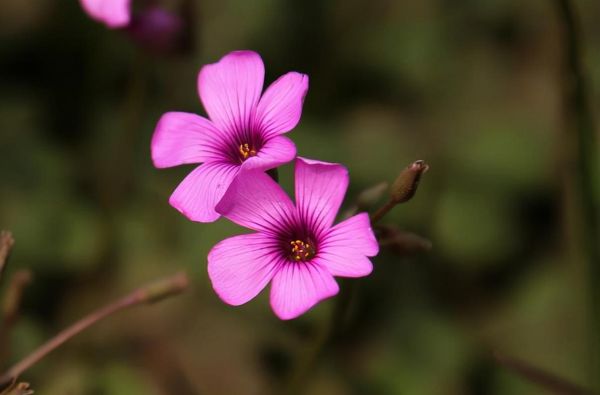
(296, 248)
(113, 13)
(244, 131)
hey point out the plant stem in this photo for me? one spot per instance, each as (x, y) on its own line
(10, 309)
(308, 359)
(546, 380)
(148, 294)
(332, 326)
(581, 122)
(382, 211)
(6, 243)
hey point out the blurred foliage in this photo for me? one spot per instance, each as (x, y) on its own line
(472, 87)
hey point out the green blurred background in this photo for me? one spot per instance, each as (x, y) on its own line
(472, 87)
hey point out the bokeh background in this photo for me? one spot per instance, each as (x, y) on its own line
(472, 87)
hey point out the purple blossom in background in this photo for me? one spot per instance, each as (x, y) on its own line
(296, 248)
(244, 131)
(158, 30)
(151, 26)
(113, 13)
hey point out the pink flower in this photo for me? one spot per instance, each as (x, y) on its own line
(296, 248)
(244, 131)
(113, 13)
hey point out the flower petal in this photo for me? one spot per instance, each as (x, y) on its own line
(275, 152)
(240, 267)
(345, 248)
(181, 138)
(230, 89)
(198, 194)
(280, 107)
(255, 201)
(113, 13)
(320, 190)
(297, 287)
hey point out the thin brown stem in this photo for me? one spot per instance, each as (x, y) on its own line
(334, 325)
(148, 294)
(382, 211)
(11, 307)
(581, 128)
(6, 243)
(308, 360)
(546, 380)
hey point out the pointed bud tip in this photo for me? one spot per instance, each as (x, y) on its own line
(420, 166)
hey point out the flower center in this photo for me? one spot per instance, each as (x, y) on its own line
(246, 151)
(302, 250)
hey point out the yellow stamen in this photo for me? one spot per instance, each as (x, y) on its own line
(246, 151)
(301, 251)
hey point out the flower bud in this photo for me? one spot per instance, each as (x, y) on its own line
(16, 388)
(402, 242)
(405, 186)
(370, 196)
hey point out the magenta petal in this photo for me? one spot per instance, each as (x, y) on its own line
(181, 138)
(345, 247)
(299, 286)
(274, 152)
(198, 194)
(230, 89)
(113, 13)
(320, 190)
(241, 266)
(255, 201)
(280, 107)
